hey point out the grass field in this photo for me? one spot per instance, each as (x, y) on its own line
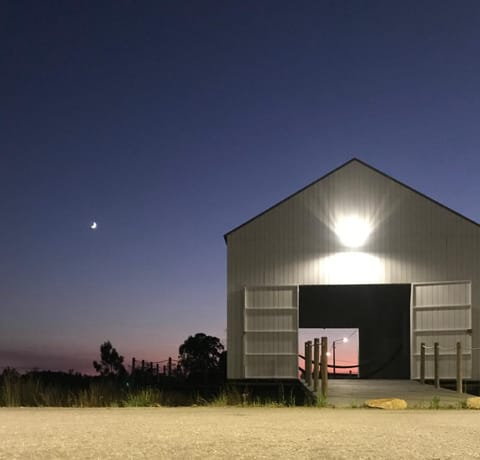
(237, 432)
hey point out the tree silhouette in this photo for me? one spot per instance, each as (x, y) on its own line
(200, 357)
(111, 363)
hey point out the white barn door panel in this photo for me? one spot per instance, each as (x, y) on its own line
(270, 336)
(441, 312)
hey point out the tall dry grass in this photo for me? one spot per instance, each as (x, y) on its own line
(34, 391)
(30, 391)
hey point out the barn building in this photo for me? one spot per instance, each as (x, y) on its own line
(355, 249)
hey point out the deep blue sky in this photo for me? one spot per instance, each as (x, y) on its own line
(171, 122)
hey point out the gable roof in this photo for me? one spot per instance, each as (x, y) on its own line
(353, 160)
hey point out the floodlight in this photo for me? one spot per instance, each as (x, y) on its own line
(353, 231)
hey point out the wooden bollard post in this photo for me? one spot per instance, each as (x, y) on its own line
(164, 370)
(316, 363)
(324, 367)
(459, 368)
(158, 369)
(422, 363)
(133, 366)
(169, 366)
(151, 367)
(436, 359)
(308, 363)
(305, 357)
(143, 365)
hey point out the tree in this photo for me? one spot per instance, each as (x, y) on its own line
(200, 357)
(111, 364)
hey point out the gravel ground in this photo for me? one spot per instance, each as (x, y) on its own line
(230, 432)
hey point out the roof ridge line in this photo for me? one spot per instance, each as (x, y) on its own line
(354, 159)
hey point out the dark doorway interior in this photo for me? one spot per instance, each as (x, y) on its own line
(380, 311)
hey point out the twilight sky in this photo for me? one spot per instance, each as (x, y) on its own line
(171, 122)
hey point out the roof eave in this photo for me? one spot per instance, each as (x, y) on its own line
(225, 236)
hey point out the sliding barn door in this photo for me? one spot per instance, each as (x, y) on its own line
(270, 336)
(441, 312)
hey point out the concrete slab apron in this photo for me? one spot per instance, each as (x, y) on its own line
(349, 393)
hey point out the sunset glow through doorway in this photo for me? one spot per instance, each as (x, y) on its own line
(346, 352)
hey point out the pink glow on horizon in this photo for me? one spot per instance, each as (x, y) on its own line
(346, 353)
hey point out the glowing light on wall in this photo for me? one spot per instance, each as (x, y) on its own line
(352, 267)
(353, 231)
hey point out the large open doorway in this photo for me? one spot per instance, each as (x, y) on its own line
(381, 312)
(342, 354)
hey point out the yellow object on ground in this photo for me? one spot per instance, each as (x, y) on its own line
(386, 403)
(473, 403)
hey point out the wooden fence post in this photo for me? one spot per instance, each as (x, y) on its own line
(422, 363)
(169, 366)
(436, 358)
(459, 368)
(143, 365)
(133, 366)
(305, 353)
(308, 363)
(316, 359)
(324, 367)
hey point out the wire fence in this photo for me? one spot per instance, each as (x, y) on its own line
(452, 348)
(27, 370)
(168, 366)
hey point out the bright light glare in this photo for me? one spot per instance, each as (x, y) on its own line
(353, 231)
(345, 340)
(328, 353)
(352, 267)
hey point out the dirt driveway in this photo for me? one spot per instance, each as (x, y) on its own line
(209, 433)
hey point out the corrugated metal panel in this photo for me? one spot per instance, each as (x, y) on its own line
(413, 240)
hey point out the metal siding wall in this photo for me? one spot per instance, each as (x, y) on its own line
(414, 240)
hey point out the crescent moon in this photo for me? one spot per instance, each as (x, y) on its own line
(93, 226)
